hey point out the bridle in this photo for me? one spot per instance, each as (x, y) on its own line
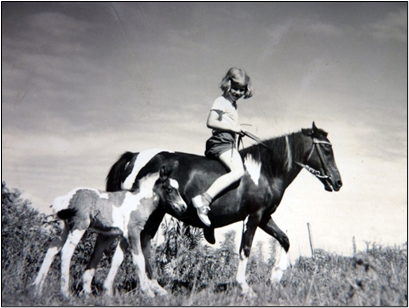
(315, 144)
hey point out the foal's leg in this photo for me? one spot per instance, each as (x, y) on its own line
(281, 263)
(249, 228)
(53, 250)
(139, 260)
(102, 243)
(66, 253)
(147, 234)
(117, 260)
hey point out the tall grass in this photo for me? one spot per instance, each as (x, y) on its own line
(194, 273)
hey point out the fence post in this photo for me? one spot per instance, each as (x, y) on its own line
(353, 245)
(310, 238)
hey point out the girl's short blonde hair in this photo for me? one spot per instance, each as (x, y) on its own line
(237, 75)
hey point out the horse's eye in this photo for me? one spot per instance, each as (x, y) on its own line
(169, 190)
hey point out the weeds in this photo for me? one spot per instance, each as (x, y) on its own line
(195, 274)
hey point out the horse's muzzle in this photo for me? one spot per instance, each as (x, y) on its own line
(332, 184)
(180, 206)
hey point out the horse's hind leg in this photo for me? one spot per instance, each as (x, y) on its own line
(53, 250)
(102, 243)
(117, 260)
(66, 253)
(282, 262)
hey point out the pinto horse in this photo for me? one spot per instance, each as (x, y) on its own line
(122, 213)
(271, 166)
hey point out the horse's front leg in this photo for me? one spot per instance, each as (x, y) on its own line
(282, 262)
(139, 260)
(249, 228)
(102, 243)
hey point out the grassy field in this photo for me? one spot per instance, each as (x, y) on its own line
(194, 273)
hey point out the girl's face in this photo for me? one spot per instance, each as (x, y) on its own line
(237, 91)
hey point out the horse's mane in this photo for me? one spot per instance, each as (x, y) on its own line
(281, 153)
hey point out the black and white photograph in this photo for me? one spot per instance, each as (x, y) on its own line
(204, 153)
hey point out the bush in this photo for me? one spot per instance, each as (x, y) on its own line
(184, 261)
(195, 273)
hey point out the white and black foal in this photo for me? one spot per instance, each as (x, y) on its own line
(122, 213)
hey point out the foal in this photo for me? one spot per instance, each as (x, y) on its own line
(122, 213)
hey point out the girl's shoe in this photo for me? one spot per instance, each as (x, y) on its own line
(202, 206)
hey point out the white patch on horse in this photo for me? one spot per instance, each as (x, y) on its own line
(66, 253)
(87, 280)
(122, 214)
(245, 223)
(115, 264)
(241, 274)
(146, 185)
(174, 183)
(280, 266)
(143, 158)
(62, 202)
(253, 168)
(139, 261)
(103, 195)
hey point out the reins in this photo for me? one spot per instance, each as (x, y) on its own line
(254, 137)
(315, 144)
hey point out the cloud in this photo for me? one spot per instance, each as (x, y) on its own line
(82, 83)
(46, 69)
(392, 27)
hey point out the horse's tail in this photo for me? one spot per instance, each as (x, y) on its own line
(115, 174)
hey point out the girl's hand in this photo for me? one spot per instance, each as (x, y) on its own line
(237, 129)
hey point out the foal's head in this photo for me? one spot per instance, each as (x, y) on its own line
(167, 188)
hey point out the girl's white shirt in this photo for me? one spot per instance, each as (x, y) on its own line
(228, 111)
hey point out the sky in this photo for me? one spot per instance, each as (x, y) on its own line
(84, 82)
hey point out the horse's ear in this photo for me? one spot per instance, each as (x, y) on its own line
(166, 170)
(163, 173)
(314, 128)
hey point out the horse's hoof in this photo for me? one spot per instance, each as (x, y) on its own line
(66, 296)
(276, 276)
(149, 294)
(85, 294)
(161, 292)
(155, 287)
(249, 293)
(108, 292)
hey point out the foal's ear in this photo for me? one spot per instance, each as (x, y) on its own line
(167, 169)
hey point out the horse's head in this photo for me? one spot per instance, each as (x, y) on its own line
(167, 188)
(320, 160)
